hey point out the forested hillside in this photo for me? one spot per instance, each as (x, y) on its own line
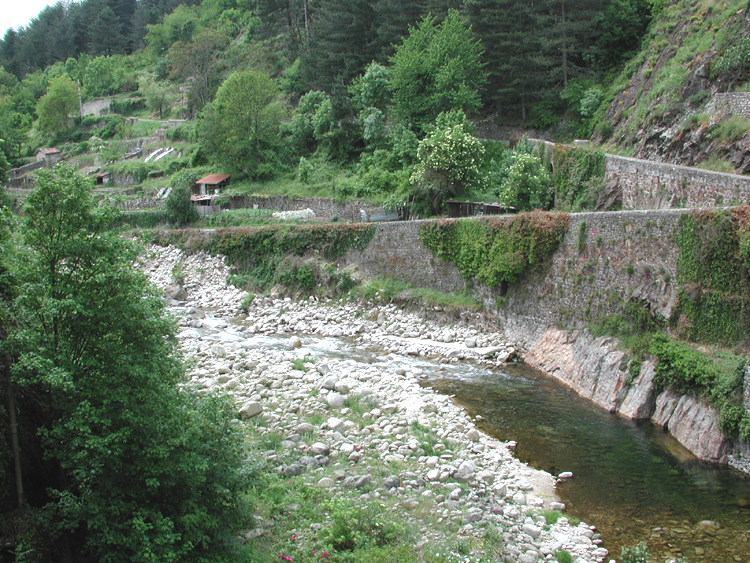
(337, 97)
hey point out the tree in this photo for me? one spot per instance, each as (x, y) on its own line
(180, 210)
(159, 95)
(448, 161)
(121, 464)
(58, 105)
(344, 42)
(196, 62)
(436, 69)
(515, 66)
(527, 185)
(241, 128)
(106, 34)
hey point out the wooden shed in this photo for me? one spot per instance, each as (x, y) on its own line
(211, 184)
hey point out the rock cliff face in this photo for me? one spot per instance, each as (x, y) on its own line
(594, 369)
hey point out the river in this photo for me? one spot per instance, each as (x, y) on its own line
(631, 479)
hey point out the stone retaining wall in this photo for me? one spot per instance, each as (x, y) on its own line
(646, 184)
(604, 259)
(654, 185)
(731, 103)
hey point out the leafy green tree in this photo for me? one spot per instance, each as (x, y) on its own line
(180, 210)
(371, 88)
(159, 95)
(527, 185)
(58, 105)
(98, 78)
(437, 68)
(312, 114)
(241, 129)
(448, 161)
(197, 62)
(120, 464)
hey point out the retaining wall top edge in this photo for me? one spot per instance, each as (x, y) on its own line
(676, 167)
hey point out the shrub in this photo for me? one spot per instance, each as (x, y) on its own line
(353, 527)
(180, 209)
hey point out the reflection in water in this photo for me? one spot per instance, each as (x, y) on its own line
(632, 479)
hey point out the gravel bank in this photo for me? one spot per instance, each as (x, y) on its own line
(347, 423)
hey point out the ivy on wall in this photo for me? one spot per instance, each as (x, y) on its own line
(714, 276)
(496, 249)
(256, 254)
(578, 176)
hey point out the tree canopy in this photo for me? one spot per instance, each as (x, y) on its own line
(437, 68)
(118, 462)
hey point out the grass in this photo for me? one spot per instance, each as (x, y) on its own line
(386, 290)
(717, 165)
(236, 218)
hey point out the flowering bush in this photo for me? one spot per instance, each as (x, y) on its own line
(448, 161)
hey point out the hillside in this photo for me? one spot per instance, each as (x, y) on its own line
(683, 98)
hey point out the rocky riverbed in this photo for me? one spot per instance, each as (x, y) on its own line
(347, 422)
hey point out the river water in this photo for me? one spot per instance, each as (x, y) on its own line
(632, 480)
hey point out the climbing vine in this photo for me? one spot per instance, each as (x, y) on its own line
(497, 249)
(256, 254)
(714, 276)
(578, 176)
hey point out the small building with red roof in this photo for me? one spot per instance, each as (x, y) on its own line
(204, 191)
(210, 185)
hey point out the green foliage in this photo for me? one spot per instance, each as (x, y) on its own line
(578, 177)
(563, 556)
(240, 130)
(180, 210)
(734, 63)
(687, 370)
(714, 276)
(731, 129)
(448, 162)
(635, 554)
(353, 527)
(259, 254)
(526, 184)
(56, 108)
(680, 367)
(146, 219)
(127, 106)
(436, 69)
(496, 250)
(127, 466)
(633, 326)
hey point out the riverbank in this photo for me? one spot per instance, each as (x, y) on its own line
(363, 430)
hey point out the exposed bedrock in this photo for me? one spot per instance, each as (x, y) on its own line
(596, 370)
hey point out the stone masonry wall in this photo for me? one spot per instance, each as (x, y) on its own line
(654, 185)
(731, 103)
(322, 206)
(613, 257)
(646, 184)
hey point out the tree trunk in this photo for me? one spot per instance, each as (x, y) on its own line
(13, 423)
